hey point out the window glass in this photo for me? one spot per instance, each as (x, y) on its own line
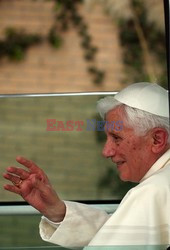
(21, 232)
(71, 159)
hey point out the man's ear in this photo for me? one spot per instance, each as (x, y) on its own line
(159, 140)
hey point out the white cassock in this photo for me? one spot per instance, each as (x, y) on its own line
(142, 218)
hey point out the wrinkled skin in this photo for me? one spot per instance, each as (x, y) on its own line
(133, 154)
(35, 189)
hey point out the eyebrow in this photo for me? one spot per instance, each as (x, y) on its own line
(114, 134)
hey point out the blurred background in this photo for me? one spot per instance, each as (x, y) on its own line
(90, 45)
(65, 46)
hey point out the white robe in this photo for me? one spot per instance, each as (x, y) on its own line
(142, 218)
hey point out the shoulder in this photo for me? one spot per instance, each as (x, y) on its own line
(156, 187)
(150, 199)
(159, 180)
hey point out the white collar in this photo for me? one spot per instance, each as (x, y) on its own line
(160, 163)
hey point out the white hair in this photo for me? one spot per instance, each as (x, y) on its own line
(141, 121)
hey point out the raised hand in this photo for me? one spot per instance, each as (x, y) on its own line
(33, 185)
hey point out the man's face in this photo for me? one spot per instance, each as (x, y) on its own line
(130, 152)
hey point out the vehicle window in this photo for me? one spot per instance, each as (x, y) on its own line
(61, 135)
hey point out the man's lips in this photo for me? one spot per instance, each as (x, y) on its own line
(119, 163)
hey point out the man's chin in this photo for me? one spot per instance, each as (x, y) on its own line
(124, 178)
(128, 179)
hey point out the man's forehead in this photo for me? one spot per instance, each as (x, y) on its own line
(115, 114)
(113, 126)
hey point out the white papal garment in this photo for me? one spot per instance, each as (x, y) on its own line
(142, 218)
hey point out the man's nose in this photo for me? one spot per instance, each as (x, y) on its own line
(108, 150)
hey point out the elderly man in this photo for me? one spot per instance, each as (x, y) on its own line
(141, 151)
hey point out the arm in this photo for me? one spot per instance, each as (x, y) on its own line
(33, 185)
(79, 226)
(79, 222)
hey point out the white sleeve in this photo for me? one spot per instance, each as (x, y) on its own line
(79, 226)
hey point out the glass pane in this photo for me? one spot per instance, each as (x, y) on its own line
(21, 232)
(71, 159)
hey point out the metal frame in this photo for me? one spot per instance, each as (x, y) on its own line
(110, 208)
(57, 94)
(29, 210)
(167, 28)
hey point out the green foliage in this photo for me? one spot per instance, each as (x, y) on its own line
(54, 39)
(67, 14)
(97, 74)
(16, 43)
(133, 54)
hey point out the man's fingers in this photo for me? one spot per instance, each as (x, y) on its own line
(11, 177)
(12, 188)
(28, 164)
(19, 172)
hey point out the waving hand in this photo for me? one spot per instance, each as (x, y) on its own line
(33, 185)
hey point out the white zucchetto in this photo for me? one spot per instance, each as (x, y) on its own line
(149, 97)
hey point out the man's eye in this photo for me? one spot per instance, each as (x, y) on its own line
(115, 137)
